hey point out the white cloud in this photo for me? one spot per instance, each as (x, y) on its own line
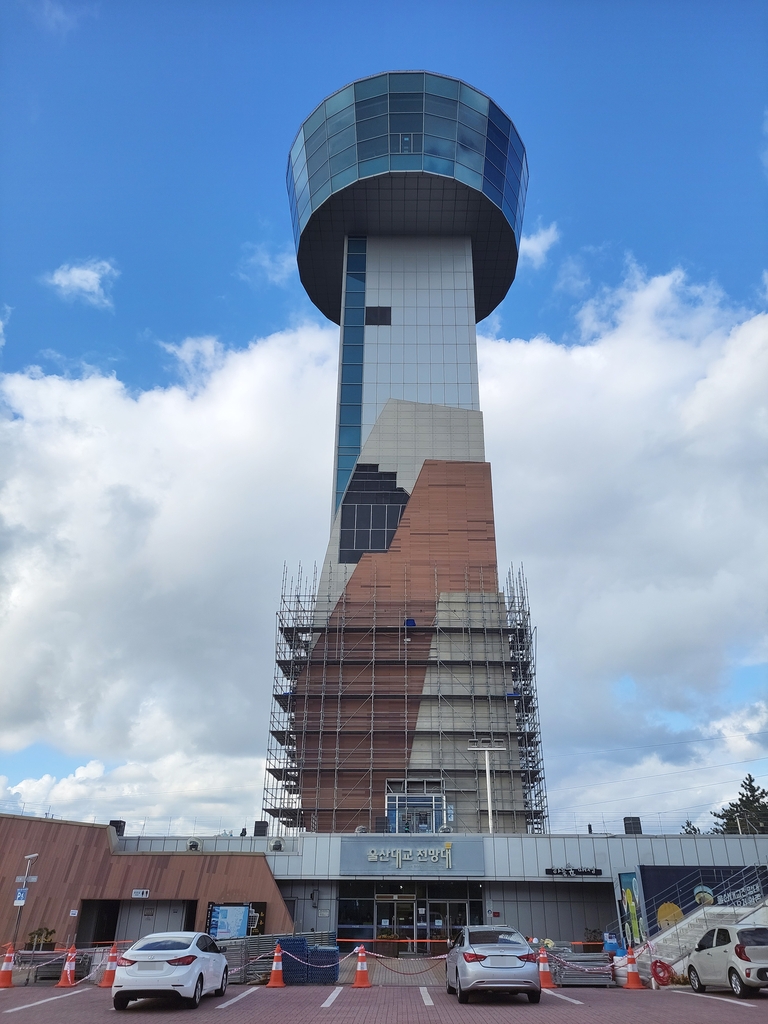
(59, 16)
(259, 262)
(572, 278)
(90, 282)
(534, 248)
(142, 540)
(6, 316)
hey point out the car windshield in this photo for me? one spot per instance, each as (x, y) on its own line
(494, 937)
(173, 942)
(753, 936)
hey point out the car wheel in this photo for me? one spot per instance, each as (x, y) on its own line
(738, 987)
(534, 997)
(695, 980)
(461, 995)
(448, 986)
(224, 981)
(120, 1002)
(197, 995)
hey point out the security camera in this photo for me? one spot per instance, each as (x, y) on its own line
(193, 845)
(276, 845)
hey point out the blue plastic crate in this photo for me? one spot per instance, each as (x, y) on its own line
(294, 971)
(324, 965)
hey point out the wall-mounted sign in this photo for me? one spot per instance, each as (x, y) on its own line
(140, 894)
(73, 913)
(569, 872)
(21, 879)
(362, 855)
(235, 920)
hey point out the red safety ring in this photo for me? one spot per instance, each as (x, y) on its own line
(662, 973)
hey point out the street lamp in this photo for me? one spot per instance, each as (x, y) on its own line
(30, 858)
(489, 746)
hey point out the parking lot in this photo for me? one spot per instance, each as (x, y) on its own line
(385, 1005)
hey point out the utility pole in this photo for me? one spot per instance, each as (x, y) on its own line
(488, 746)
(30, 858)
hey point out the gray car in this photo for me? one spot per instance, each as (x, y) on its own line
(491, 960)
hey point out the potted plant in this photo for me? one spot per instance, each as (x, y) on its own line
(42, 938)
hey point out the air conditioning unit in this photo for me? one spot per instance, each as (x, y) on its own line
(194, 845)
(361, 830)
(275, 845)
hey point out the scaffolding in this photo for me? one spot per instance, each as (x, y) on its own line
(375, 703)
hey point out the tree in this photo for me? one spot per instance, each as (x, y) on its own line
(689, 829)
(747, 814)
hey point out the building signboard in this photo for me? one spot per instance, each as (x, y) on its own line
(408, 855)
(569, 872)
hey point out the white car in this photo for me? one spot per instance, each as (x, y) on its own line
(732, 957)
(184, 965)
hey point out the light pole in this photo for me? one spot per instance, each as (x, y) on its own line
(489, 746)
(30, 858)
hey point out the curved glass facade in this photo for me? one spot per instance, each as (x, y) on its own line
(407, 121)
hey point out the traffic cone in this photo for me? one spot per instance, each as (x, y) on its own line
(633, 975)
(276, 977)
(67, 979)
(545, 975)
(109, 974)
(361, 974)
(6, 971)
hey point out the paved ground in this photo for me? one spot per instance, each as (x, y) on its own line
(386, 1005)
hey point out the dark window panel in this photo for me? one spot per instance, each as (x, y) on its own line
(412, 81)
(440, 86)
(378, 540)
(373, 147)
(363, 520)
(373, 107)
(495, 155)
(352, 354)
(497, 138)
(317, 160)
(342, 141)
(499, 118)
(317, 138)
(353, 299)
(371, 87)
(394, 143)
(350, 415)
(371, 128)
(441, 105)
(443, 127)
(349, 436)
(492, 192)
(351, 374)
(355, 282)
(378, 517)
(406, 122)
(354, 317)
(353, 335)
(347, 514)
(406, 102)
(343, 119)
(346, 461)
(378, 316)
(356, 244)
(471, 139)
(347, 537)
(439, 147)
(494, 174)
(319, 179)
(352, 394)
(355, 261)
(472, 118)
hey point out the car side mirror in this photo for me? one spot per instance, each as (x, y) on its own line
(222, 949)
(697, 948)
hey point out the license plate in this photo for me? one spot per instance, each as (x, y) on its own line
(142, 966)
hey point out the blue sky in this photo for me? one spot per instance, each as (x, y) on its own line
(155, 136)
(145, 235)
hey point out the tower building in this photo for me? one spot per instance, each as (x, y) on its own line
(407, 657)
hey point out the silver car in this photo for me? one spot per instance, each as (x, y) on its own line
(732, 957)
(492, 960)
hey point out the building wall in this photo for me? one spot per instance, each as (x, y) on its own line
(79, 862)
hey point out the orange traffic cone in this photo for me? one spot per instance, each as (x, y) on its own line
(633, 975)
(6, 971)
(67, 979)
(361, 974)
(109, 974)
(545, 975)
(276, 977)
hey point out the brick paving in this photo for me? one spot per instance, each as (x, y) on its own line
(386, 1005)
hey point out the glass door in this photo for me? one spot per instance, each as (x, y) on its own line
(438, 928)
(404, 926)
(457, 916)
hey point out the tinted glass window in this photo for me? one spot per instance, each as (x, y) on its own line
(202, 943)
(172, 943)
(753, 936)
(707, 941)
(406, 101)
(723, 937)
(370, 108)
(494, 936)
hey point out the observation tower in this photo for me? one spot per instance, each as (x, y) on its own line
(406, 657)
